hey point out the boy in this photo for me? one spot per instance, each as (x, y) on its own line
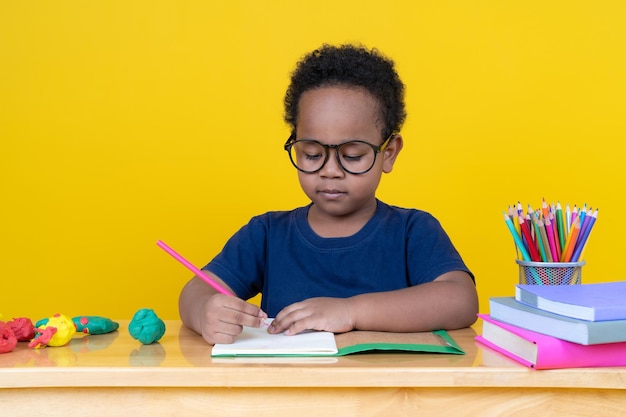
(347, 260)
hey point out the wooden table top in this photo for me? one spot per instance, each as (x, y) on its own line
(183, 359)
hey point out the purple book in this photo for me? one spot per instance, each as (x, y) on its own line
(591, 302)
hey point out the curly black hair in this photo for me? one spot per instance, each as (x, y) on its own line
(350, 66)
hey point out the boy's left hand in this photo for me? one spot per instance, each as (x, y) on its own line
(321, 313)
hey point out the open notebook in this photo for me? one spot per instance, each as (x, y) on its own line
(258, 342)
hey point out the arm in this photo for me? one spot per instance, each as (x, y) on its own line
(219, 318)
(449, 302)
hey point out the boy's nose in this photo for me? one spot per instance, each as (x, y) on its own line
(331, 168)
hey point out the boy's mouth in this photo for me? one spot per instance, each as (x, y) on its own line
(331, 194)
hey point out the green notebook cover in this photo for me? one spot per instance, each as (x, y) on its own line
(438, 341)
(257, 342)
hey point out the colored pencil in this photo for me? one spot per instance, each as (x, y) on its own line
(568, 221)
(544, 235)
(566, 256)
(538, 237)
(551, 240)
(544, 240)
(584, 225)
(515, 220)
(574, 216)
(582, 214)
(577, 255)
(557, 243)
(193, 269)
(516, 238)
(560, 225)
(532, 248)
(544, 208)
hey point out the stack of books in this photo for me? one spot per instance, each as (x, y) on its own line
(559, 326)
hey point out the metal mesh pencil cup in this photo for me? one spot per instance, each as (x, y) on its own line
(550, 273)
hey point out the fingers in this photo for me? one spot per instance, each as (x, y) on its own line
(322, 313)
(293, 319)
(238, 312)
(225, 316)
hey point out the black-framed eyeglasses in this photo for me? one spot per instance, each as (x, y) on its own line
(354, 156)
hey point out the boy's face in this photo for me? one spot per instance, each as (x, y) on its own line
(333, 115)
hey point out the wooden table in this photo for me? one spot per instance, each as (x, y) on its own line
(114, 375)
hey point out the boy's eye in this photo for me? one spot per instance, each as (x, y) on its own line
(354, 151)
(312, 156)
(352, 158)
(308, 152)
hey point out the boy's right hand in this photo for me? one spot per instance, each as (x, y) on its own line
(223, 317)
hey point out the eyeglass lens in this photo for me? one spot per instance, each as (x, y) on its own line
(354, 157)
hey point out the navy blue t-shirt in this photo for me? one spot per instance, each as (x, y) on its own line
(279, 255)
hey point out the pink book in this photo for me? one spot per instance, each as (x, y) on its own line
(540, 351)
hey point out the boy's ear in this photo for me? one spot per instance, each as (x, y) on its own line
(391, 153)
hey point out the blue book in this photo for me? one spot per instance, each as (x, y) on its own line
(508, 310)
(593, 302)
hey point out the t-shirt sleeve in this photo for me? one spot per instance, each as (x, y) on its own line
(431, 253)
(241, 263)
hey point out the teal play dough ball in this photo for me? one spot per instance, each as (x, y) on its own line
(146, 326)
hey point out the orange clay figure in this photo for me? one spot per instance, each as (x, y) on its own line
(54, 331)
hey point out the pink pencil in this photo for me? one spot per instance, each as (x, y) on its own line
(193, 269)
(551, 240)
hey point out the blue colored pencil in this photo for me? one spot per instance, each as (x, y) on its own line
(516, 238)
(585, 236)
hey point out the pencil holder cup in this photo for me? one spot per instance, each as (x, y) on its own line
(550, 273)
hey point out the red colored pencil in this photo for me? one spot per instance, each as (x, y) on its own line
(532, 248)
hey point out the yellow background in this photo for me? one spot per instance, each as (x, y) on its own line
(125, 122)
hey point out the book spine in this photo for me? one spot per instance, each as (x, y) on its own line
(555, 353)
(503, 351)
